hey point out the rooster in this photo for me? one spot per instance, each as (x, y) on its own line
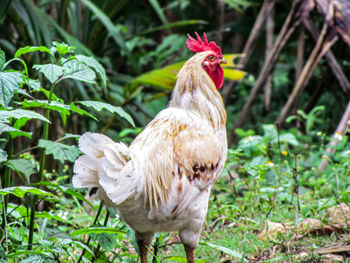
(162, 181)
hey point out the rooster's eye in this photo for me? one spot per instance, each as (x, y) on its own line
(211, 58)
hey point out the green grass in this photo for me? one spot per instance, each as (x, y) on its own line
(243, 200)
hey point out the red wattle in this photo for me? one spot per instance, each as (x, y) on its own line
(217, 76)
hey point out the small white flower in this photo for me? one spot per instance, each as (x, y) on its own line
(338, 135)
(319, 133)
(270, 164)
(249, 138)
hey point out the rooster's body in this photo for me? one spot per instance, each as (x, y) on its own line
(163, 180)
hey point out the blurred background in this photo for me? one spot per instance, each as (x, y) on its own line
(130, 38)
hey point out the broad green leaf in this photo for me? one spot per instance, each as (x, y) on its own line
(233, 74)
(60, 151)
(229, 72)
(19, 123)
(80, 111)
(106, 240)
(34, 84)
(53, 105)
(96, 230)
(22, 166)
(182, 259)
(106, 21)
(93, 63)
(29, 252)
(35, 259)
(99, 106)
(270, 132)
(75, 69)
(164, 78)
(2, 59)
(20, 191)
(13, 131)
(9, 83)
(28, 49)
(3, 156)
(227, 251)
(19, 114)
(51, 71)
(230, 58)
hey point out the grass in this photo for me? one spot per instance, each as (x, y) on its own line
(256, 187)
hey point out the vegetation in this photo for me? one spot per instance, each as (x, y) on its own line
(67, 67)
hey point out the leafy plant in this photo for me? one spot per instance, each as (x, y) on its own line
(24, 99)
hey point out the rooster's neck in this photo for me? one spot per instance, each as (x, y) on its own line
(196, 91)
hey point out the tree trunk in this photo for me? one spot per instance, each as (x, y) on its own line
(300, 52)
(269, 43)
(250, 44)
(322, 46)
(293, 19)
(331, 60)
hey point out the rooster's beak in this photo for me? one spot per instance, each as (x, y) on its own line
(223, 61)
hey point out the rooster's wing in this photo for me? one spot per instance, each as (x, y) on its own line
(177, 144)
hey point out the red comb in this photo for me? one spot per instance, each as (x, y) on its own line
(200, 46)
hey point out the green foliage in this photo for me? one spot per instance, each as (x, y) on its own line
(20, 191)
(22, 166)
(60, 151)
(96, 230)
(9, 82)
(98, 106)
(24, 98)
(227, 251)
(21, 115)
(28, 49)
(51, 71)
(310, 119)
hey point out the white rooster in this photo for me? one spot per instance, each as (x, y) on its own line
(162, 181)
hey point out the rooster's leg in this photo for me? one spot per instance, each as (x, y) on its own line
(143, 240)
(189, 253)
(143, 251)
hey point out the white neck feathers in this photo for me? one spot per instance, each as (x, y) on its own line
(195, 91)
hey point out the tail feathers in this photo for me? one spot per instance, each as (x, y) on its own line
(106, 165)
(118, 186)
(85, 169)
(117, 155)
(93, 144)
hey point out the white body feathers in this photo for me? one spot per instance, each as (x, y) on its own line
(162, 181)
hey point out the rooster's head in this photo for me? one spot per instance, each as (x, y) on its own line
(212, 62)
